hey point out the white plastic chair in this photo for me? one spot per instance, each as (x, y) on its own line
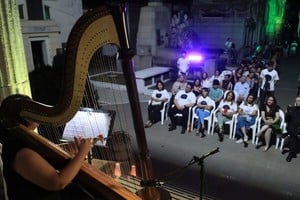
(279, 140)
(230, 123)
(163, 111)
(254, 127)
(193, 115)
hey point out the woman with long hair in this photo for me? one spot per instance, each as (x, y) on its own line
(270, 121)
(158, 97)
(226, 109)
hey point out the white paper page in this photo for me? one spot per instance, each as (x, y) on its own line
(88, 125)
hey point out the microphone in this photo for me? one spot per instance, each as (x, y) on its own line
(197, 159)
(214, 151)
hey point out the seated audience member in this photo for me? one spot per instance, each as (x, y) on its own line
(253, 81)
(29, 175)
(226, 83)
(205, 80)
(215, 92)
(204, 107)
(292, 118)
(216, 76)
(247, 113)
(237, 74)
(197, 88)
(226, 109)
(270, 121)
(179, 84)
(183, 101)
(242, 89)
(158, 97)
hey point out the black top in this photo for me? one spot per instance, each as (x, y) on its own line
(292, 118)
(272, 111)
(19, 188)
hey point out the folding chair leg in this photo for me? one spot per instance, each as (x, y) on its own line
(281, 144)
(277, 143)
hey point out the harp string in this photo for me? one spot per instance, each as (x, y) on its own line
(108, 95)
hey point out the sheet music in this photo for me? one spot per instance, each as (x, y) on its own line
(88, 125)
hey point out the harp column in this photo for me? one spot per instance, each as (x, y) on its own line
(13, 69)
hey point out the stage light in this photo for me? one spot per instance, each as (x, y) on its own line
(195, 57)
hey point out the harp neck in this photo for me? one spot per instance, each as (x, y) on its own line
(93, 30)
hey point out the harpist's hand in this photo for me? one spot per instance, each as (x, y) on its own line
(99, 138)
(84, 144)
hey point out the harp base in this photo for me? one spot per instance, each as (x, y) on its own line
(154, 193)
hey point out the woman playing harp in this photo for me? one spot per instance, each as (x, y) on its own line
(30, 176)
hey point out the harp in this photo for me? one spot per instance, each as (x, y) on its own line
(101, 26)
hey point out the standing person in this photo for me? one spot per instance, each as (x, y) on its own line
(228, 44)
(247, 114)
(158, 97)
(270, 120)
(183, 101)
(292, 118)
(30, 176)
(293, 48)
(268, 79)
(183, 64)
(204, 106)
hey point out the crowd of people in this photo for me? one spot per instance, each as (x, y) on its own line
(246, 95)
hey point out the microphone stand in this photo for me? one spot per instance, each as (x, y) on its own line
(200, 162)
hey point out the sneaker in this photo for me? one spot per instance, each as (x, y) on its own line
(239, 141)
(245, 138)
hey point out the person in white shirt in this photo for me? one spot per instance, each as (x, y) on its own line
(183, 101)
(204, 106)
(226, 109)
(158, 97)
(183, 64)
(268, 78)
(248, 112)
(206, 82)
(242, 89)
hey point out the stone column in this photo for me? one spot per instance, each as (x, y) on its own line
(13, 69)
(154, 22)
